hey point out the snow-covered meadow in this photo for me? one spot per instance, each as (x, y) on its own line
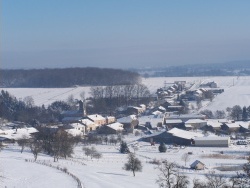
(19, 170)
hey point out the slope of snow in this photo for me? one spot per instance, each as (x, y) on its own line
(18, 173)
(237, 91)
(107, 172)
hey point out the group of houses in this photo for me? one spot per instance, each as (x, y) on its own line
(78, 123)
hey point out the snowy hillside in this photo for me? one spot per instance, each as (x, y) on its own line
(237, 91)
(107, 172)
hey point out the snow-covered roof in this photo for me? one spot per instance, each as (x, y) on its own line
(233, 125)
(214, 124)
(96, 117)
(195, 121)
(87, 122)
(76, 125)
(199, 91)
(152, 119)
(193, 165)
(186, 116)
(169, 121)
(184, 134)
(157, 112)
(18, 133)
(116, 126)
(161, 108)
(244, 124)
(110, 117)
(127, 119)
(74, 132)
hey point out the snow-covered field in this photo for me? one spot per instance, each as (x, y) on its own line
(237, 91)
(106, 172)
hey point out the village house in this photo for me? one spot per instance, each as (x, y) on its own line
(113, 128)
(97, 119)
(230, 127)
(151, 122)
(110, 119)
(196, 123)
(172, 123)
(78, 128)
(129, 123)
(184, 117)
(89, 125)
(213, 125)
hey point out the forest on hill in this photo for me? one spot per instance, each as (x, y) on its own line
(66, 77)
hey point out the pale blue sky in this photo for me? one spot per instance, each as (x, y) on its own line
(123, 33)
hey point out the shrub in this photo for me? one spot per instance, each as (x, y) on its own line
(162, 147)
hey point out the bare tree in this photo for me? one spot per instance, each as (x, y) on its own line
(36, 148)
(185, 157)
(215, 180)
(24, 141)
(133, 164)
(236, 112)
(87, 151)
(240, 180)
(29, 101)
(170, 177)
(92, 152)
(62, 145)
(220, 114)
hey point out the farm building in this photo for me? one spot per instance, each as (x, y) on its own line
(196, 123)
(171, 123)
(197, 165)
(212, 141)
(159, 137)
(182, 137)
(174, 136)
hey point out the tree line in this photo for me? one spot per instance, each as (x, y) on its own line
(24, 110)
(237, 113)
(108, 98)
(66, 77)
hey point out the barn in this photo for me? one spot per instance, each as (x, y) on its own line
(212, 141)
(174, 136)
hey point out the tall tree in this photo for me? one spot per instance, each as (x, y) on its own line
(244, 114)
(170, 177)
(236, 113)
(133, 164)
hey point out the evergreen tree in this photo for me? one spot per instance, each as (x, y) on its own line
(162, 148)
(244, 114)
(124, 147)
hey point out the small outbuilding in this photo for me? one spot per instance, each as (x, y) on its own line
(197, 165)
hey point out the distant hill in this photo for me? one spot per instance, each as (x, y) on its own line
(66, 77)
(233, 68)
